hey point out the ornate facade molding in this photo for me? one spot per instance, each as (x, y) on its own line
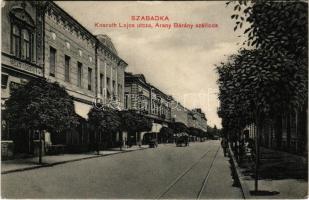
(63, 18)
(69, 23)
(19, 15)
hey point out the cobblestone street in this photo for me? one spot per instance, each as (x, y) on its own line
(197, 171)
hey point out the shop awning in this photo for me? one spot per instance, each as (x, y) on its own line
(82, 109)
(156, 127)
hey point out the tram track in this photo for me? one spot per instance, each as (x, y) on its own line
(207, 176)
(189, 169)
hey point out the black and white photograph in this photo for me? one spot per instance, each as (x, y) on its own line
(154, 99)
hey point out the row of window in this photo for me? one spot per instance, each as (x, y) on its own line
(108, 85)
(143, 104)
(67, 59)
(67, 63)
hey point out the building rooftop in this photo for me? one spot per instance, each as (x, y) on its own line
(103, 39)
(107, 41)
(141, 77)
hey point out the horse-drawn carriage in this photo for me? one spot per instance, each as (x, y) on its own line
(182, 139)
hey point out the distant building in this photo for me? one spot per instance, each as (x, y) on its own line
(197, 119)
(179, 113)
(161, 108)
(160, 104)
(137, 93)
(147, 100)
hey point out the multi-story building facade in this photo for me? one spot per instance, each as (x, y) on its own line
(288, 132)
(148, 100)
(145, 98)
(21, 59)
(21, 47)
(137, 93)
(41, 40)
(160, 104)
(179, 113)
(70, 52)
(110, 75)
(197, 119)
(87, 65)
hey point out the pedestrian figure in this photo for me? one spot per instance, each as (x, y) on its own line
(127, 143)
(121, 144)
(248, 146)
(224, 145)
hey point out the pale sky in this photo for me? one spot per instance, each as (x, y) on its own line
(180, 62)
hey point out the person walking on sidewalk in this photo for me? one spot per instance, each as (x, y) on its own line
(224, 145)
(248, 147)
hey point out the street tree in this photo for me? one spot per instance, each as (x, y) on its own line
(105, 122)
(278, 26)
(166, 133)
(271, 77)
(256, 85)
(133, 122)
(279, 30)
(40, 106)
(144, 123)
(128, 121)
(212, 132)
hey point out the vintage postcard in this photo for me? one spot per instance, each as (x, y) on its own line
(154, 99)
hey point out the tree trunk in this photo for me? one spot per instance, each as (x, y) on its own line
(238, 145)
(257, 151)
(136, 138)
(120, 140)
(97, 142)
(29, 141)
(40, 147)
(100, 140)
(288, 131)
(278, 130)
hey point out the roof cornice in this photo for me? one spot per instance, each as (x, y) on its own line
(120, 61)
(82, 29)
(70, 19)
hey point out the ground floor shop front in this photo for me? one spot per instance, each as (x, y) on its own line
(23, 142)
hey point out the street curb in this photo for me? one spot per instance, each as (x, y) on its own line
(67, 161)
(244, 188)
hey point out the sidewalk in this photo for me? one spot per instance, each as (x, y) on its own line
(16, 165)
(221, 183)
(281, 176)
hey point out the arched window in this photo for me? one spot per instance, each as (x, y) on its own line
(16, 41)
(25, 45)
(22, 33)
